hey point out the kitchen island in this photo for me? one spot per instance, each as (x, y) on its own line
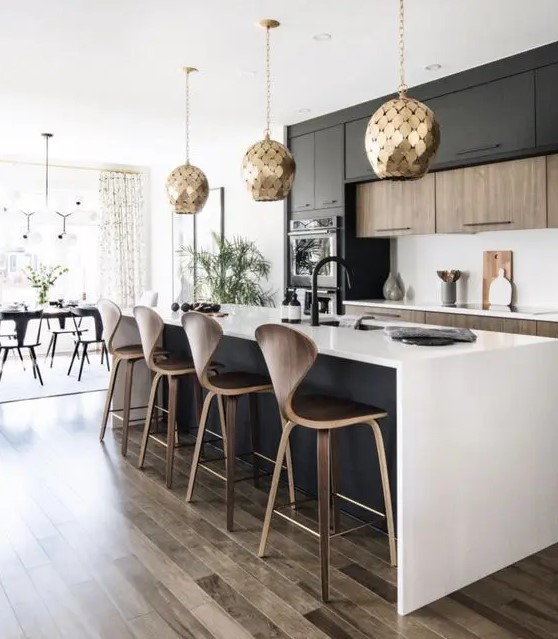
(471, 441)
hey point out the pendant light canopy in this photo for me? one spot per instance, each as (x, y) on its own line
(268, 167)
(403, 135)
(187, 185)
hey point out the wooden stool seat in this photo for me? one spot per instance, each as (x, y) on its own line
(132, 351)
(128, 355)
(204, 335)
(289, 355)
(174, 365)
(319, 411)
(163, 365)
(240, 383)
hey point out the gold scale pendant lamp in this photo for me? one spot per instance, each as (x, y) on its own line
(187, 186)
(268, 167)
(403, 135)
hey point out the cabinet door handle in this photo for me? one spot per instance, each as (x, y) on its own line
(395, 228)
(329, 202)
(478, 149)
(301, 206)
(487, 223)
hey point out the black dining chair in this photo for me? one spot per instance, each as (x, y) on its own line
(56, 325)
(28, 326)
(8, 333)
(84, 339)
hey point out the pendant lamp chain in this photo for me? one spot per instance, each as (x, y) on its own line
(268, 81)
(402, 86)
(187, 104)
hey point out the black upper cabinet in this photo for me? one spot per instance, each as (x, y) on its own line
(328, 163)
(302, 193)
(357, 165)
(319, 171)
(488, 120)
(546, 80)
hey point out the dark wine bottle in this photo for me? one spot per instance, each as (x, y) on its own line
(295, 310)
(285, 306)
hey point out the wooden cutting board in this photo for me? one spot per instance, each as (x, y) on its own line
(492, 262)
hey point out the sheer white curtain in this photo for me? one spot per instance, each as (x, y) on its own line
(121, 237)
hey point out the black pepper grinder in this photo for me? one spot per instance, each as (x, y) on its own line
(295, 310)
(285, 307)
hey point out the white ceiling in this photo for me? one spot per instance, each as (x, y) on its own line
(105, 75)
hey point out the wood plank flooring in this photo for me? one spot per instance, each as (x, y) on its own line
(90, 547)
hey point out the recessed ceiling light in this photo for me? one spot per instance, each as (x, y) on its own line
(433, 67)
(249, 73)
(322, 37)
(304, 110)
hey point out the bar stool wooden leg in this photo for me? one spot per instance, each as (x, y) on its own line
(148, 418)
(335, 474)
(386, 488)
(255, 433)
(108, 400)
(198, 397)
(323, 446)
(231, 406)
(289, 464)
(198, 446)
(171, 426)
(127, 404)
(223, 423)
(283, 444)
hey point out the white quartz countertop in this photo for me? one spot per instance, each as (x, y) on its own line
(521, 312)
(371, 347)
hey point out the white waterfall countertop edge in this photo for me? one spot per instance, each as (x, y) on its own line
(525, 313)
(370, 347)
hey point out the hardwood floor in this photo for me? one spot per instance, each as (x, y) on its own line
(92, 547)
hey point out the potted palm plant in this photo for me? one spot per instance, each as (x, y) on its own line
(232, 273)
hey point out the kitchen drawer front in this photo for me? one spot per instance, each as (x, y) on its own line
(547, 329)
(503, 196)
(382, 313)
(483, 323)
(486, 121)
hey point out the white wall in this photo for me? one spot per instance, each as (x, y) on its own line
(220, 158)
(535, 264)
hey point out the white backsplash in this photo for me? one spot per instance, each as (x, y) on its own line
(535, 264)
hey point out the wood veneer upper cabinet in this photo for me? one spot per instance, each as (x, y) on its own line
(389, 208)
(503, 196)
(552, 190)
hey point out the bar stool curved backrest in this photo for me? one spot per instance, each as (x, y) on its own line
(111, 316)
(204, 335)
(150, 325)
(289, 355)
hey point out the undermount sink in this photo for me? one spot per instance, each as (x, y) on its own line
(361, 327)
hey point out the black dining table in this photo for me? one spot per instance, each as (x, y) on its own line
(22, 317)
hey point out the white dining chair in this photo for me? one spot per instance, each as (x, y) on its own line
(148, 298)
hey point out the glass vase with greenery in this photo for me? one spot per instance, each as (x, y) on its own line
(232, 273)
(43, 278)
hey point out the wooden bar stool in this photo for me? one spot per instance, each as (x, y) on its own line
(111, 316)
(204, 335)
(162, 364)
(289, 355)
